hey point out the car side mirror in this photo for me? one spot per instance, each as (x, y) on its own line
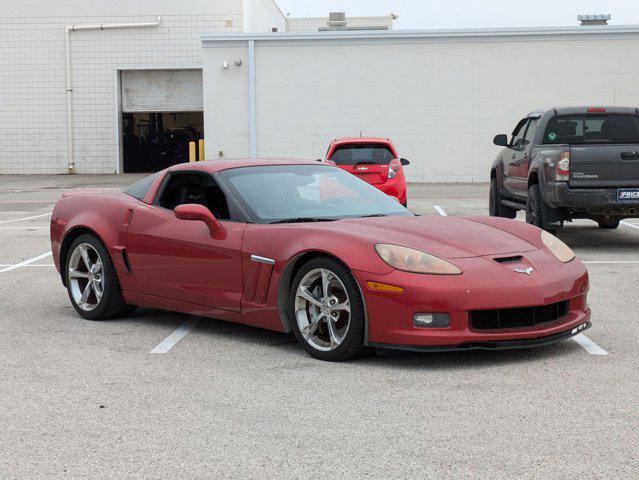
(404, 162)
(194, 211)
(501, 140)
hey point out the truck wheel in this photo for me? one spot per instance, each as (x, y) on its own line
(608, 223)
(535, 209)
(495, 207)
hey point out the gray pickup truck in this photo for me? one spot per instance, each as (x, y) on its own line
(566, 163)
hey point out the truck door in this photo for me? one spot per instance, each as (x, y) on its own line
(513, 157)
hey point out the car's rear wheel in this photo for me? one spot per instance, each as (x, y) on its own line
(327, 310)
(495, 207)
(92, 281)
(534, 209)
(608, 223)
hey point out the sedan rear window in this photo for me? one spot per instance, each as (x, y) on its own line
(592, 129)
(363, 153)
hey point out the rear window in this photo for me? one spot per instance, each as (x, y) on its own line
(139, 189)
(364, 153)
(592, 129)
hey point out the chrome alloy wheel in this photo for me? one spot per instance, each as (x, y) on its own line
(86, 277)
(322, 309)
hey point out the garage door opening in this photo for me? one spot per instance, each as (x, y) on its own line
(162, 111)
(154, 141)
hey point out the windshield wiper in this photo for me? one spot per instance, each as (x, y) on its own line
(303, 219)
(373, 215)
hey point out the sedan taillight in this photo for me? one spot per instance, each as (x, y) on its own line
(562, 172)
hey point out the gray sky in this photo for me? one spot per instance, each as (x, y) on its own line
(429, 14)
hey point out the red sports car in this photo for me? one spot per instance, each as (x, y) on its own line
(306, 247)
(374, 160)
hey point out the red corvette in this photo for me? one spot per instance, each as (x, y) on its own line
(306, 247)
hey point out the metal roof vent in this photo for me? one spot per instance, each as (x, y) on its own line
(594, 19)
(336, 20)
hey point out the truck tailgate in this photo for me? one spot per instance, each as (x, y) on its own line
(604, 165)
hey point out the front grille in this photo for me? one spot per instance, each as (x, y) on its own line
(517, 317)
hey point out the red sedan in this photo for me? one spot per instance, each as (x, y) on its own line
(374, 160)
(305, 247)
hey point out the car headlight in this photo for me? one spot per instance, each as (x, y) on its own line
(411, 260)
(558, 248)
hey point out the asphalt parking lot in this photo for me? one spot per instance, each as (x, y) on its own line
(81, 399)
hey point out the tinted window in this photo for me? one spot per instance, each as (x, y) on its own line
(365, 153)
(530, 132)
(140, 189)
(517, 139)
(274, 193)
(592, 129)
(198, 188)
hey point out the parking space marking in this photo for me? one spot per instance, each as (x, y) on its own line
(628, 224)
(26, 262)
(591, 347)
(25, 218)
(610, 262)
(169, 342)
(2, 265)
(440, 210)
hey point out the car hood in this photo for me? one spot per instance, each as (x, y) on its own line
(445, 237)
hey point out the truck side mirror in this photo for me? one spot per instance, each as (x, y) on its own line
(501, 140)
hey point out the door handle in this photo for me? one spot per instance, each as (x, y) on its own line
(634, 155)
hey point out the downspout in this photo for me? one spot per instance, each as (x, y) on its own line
(252, 112)
(67, 43)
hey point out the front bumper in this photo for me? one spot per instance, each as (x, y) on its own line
(496, 345)
(484, 285)
(593, 201)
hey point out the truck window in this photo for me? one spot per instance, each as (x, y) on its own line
(592, 129)
(517, 140)
(362, 153)
(530, 131)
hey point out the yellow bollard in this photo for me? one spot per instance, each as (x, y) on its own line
(201, 150)
(192, 157)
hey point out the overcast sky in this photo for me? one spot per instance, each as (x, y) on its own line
(429, 14)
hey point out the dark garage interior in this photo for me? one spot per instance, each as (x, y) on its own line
(154, 141)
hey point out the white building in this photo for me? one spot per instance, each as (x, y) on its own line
(149, 76)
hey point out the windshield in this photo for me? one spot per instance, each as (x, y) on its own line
(363, 153)
(306, 193)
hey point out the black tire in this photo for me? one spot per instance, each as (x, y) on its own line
(111, 304)
(535, 209)
(352, 344)
(495, 207)
(608, 223)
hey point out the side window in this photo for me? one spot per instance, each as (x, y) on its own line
(200, 188)
(530, 131)
(517, 141)
(140, 188)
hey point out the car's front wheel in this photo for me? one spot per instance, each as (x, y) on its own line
(92, 281)
(327, 310)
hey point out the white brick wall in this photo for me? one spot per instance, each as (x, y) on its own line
(33, 131)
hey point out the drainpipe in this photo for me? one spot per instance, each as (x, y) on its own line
(252, 108)
(67, 43)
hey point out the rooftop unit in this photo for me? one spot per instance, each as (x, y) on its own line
(599, 19)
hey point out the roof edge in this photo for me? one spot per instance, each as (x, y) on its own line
(408, 34)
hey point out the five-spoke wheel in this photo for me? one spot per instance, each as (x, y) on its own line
(92, 281)
(327, 310)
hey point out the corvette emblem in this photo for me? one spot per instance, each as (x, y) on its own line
(527, 271)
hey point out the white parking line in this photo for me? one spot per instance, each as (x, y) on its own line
(169, 342)
(591, 347)
(25, 218)
(628, 224)
(2, 265)
(26, 262)
(611, 262)
(440, 210)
